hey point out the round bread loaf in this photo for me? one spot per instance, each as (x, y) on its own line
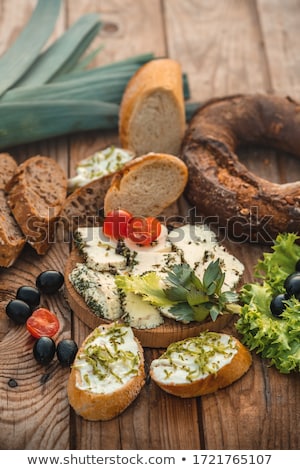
(200, 365)
(248, 206)
(107, 374)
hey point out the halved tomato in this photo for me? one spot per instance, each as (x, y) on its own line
(116, 223)
(143, 230)
(42, 322)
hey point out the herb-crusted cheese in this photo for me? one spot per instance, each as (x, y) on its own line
(110, 358)
(195, 245)
(99, 251)
(198, 246)
(98, 290)
(194, 358)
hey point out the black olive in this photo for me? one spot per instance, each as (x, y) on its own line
(18, 310)
(292, 285)
(44, 350)
(297, 267)
(49, 282)
(66, 351)
(30, 295)
(277, 305)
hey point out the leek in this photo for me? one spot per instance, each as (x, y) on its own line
(25, 50)
(64, 52)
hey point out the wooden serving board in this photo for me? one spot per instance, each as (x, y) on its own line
(159, 337)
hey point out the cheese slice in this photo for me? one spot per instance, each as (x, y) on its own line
(198, 247)
(98, 290)
(99, 251)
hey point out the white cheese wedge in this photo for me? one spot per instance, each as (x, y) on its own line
(110, 359)
(194, 358)
(198, 246)
(140, 314)
(98, 290)
(98, 250)
(155, 261)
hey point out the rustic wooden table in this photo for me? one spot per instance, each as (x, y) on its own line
(224, 47)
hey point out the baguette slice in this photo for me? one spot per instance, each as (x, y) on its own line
(152, 112)
(36, 194)
(200, 365)
(147, 185)
(12, 240)
(102, 389)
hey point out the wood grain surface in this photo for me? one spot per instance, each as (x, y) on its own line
(237, 46)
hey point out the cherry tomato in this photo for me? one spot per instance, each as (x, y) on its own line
(42, 322)
(116, 223)
(144, 230)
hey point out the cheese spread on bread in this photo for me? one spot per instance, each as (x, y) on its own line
(99, 164)
(194, 358)
(109, 359)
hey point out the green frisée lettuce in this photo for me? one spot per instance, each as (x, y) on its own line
(275, 338)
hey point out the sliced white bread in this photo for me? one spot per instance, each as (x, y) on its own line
(36, 194)
(152, 112)
(12, 239)
(147, 185)
(107, 374)
(200, 365)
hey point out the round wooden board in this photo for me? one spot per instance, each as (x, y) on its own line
(159, 337)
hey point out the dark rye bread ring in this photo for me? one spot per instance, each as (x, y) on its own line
(249, 207)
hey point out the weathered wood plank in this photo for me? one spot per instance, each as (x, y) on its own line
(35, 413)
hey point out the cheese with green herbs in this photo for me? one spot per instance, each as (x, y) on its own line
(198, 246)
(102, 163)
(194, 358)
(195, 245)
(100, 252)
(109, 359)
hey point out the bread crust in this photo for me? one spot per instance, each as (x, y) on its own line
(12, 240)
(36, 194)
(159, 79)
(84, 207)
(131, 189)
(104, 406)
(225, 376)
(249, 207)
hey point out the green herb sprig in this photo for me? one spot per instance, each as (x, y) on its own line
(182, 293)
(197, 299)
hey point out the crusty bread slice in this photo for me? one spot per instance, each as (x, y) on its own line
(84, 207)
(12, 240)
(147, 185)
(36, 194)
(102, 391)
(201, 365)
(152, 112)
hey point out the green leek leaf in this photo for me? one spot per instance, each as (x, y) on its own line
(15, 62)
(65, 50)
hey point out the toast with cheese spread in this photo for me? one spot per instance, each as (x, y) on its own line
(107, 374)
(200, 365)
